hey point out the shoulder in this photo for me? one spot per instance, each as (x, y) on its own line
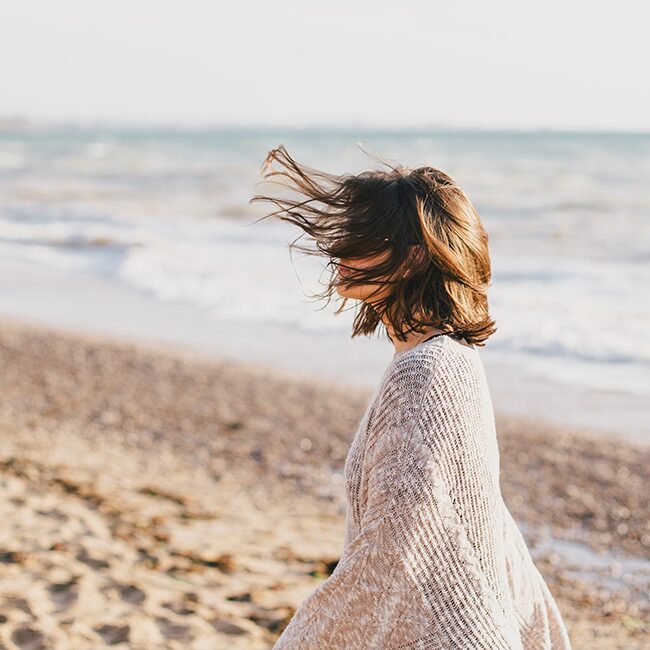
(406, 381)
(423, 377)
(414, 368)
(443, 359)
(426, 400)
(433, 381)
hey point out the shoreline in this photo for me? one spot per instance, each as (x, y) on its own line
(84, 303)
(158, 498)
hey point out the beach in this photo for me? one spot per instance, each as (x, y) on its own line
(156, 498)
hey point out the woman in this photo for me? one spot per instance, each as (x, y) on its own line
(432, 557)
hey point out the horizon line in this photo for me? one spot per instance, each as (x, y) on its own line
(17, 122)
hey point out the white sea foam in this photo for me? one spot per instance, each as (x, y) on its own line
(568, 219)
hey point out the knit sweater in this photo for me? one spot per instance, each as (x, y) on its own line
(432, 558)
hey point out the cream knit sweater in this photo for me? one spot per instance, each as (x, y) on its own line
(432, 558)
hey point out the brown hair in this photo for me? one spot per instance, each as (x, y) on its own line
(420, 217)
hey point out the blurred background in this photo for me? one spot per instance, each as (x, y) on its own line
(131, 139)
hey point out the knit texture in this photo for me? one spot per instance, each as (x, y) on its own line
(432, 558)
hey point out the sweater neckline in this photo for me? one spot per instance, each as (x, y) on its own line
(444, 337)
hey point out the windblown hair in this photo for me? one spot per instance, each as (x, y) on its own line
(435, 261)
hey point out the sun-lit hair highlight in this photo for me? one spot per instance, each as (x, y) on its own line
(437, 261)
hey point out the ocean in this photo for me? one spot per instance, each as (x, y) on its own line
(165, 213)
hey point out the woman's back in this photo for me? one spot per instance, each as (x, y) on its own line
(432, 557)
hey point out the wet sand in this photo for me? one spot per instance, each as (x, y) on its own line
(153, 499)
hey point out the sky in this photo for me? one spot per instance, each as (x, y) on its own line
(569, 64)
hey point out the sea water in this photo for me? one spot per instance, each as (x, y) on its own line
(166, 212)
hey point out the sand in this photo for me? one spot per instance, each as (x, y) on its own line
(153, 499)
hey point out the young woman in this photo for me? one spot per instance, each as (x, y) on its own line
(432, 558)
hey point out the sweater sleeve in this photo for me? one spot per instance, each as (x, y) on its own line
(410, 577)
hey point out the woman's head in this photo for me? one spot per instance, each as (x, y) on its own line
(407, 243)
